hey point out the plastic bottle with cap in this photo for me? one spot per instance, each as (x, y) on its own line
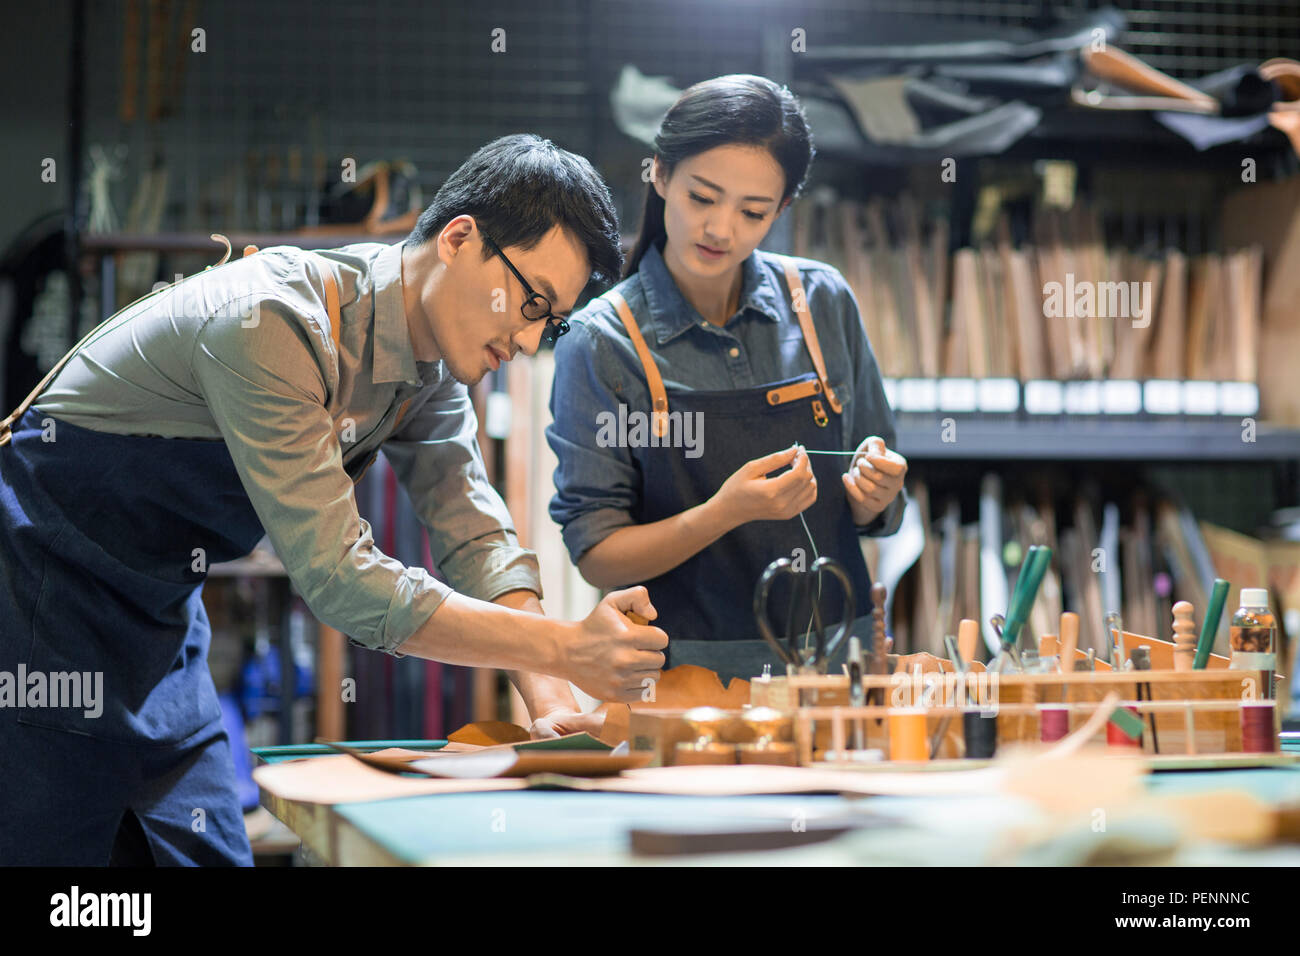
(1253, 637)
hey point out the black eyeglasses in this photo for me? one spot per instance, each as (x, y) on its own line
(536, 307)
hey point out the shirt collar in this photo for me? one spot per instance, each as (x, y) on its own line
(394, 354)
(671, 314)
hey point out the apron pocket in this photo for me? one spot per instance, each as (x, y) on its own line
(102, 666)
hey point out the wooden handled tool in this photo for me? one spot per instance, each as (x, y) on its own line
(968, 633)
(1184, 625)
(636, 618)
(1069, 640)
(1184, 637)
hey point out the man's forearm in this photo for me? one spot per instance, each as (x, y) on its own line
(476, 633)
(542, 694)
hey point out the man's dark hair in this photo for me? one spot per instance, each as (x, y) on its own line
(518, 188)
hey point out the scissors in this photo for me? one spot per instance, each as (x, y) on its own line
(815, 658)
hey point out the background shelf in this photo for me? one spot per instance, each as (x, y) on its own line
(1053, 438)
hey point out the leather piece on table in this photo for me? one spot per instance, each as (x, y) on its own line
(692, 686)
(680, 688)
(344, 779)
(575, 741)
(684, 841)
(574, 751)
(906, 663)
(618, 723)
(526, 763)
(487, 733)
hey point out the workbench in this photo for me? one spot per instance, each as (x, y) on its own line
(558, 827)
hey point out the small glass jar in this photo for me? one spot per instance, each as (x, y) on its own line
(1253, 637)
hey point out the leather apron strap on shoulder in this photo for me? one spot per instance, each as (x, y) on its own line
(658, 395)
(6, 425)
(336, 330)
(327, 279)
(331, 299)
(799, 300)
(331, 307)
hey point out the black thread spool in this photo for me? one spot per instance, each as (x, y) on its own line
(981, 730)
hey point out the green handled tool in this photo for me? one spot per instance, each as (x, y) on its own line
(1209, 626)
(1017, 593)
(1026, 592)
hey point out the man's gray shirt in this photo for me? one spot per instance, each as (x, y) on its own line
(244, 353)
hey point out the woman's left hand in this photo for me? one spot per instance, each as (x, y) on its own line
(874, 480)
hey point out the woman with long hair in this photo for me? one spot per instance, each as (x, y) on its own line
(706, 407)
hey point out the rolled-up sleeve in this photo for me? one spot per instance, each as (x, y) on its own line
(871, 412)
(597, 484)
(436, 456)
(264, 385)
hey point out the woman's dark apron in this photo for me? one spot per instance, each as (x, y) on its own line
(105, 541)
(705, 604)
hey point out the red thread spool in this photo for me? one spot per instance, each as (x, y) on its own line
(1258, 730)
(1117, 738)
(1053, 722)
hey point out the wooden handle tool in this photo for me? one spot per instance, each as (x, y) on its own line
(1184, 637)
(968, 633)
(1069, 640)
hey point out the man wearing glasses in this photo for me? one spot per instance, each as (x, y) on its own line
(249, 399)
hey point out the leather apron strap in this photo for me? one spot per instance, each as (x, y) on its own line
(799, 301)
(331, 307)
(336, 328)
(658, 396)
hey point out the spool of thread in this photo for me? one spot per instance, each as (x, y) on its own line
(1053, 722)
(981, 729)
(1258, 730)
(907, 737)
(1117, 738)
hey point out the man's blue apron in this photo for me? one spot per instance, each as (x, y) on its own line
(705, 604)
(104, 544)
(105, 541)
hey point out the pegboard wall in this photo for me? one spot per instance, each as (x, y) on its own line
(284, 88)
